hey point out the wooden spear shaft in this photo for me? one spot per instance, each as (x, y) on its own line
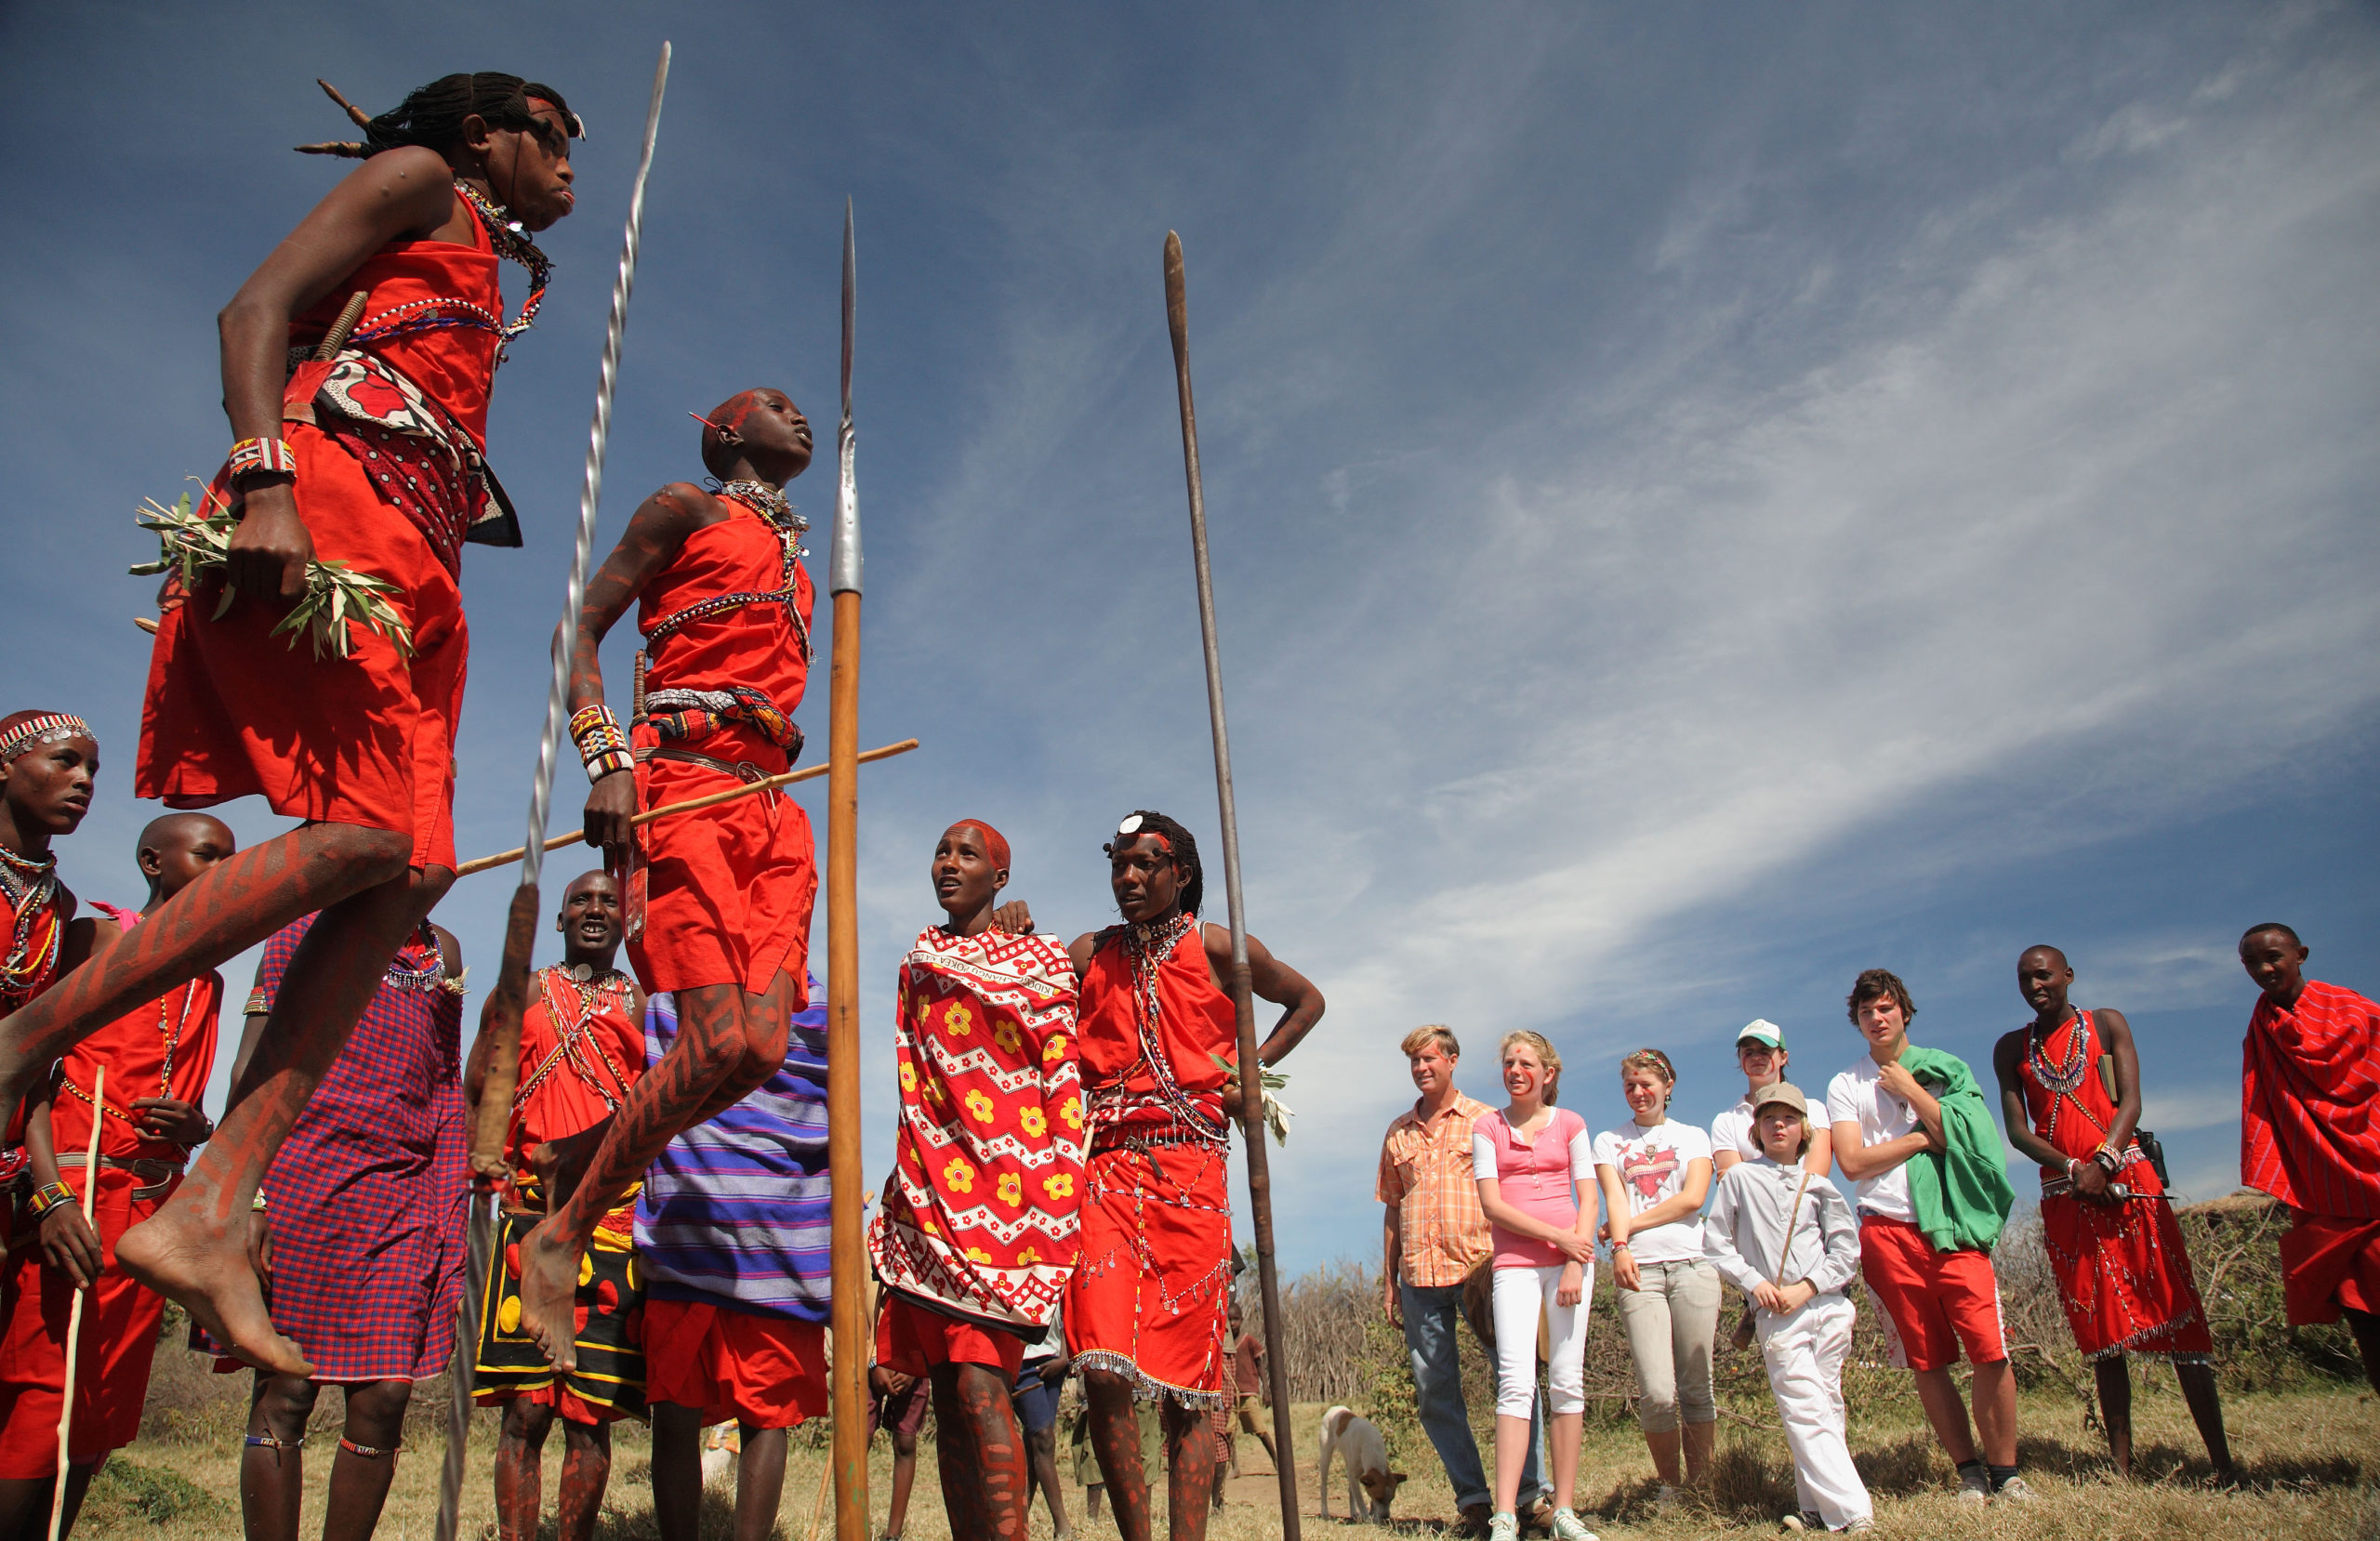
(74, 1312)
(1252, 1069)
(850, 1269)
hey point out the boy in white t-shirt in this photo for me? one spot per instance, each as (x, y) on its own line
(1655, 1173)
(1782, 1234)
(1759, 1054)
(1936, 1301)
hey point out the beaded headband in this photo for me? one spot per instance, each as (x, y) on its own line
(49, 728)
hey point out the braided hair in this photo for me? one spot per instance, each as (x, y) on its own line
(1185, 848)
(433, 116)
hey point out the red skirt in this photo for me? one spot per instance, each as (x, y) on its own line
(118, 1339)
(368, 739)
(764, 1372)
(1152, 1297)
(2124, 1274)
(2329, 1261)
(728, 888)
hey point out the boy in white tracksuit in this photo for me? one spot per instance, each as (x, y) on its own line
(1786, 1239)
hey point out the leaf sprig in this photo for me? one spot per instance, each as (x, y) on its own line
(1277, 1114)
(197, 546)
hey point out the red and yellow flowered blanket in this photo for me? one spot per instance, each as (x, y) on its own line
(982, 1216)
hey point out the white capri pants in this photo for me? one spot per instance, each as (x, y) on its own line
(1804, 1350)
(1515, 1295)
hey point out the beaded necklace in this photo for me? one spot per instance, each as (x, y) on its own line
(1146, 948)
(31, 890)
(511, 241)
(574, 1020)
(2064, 1079)
(169, 1029)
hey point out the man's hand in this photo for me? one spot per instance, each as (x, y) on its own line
(1623, 1270)
(171, 1118)
(1057, 1369)
(611, 810)
(271, 548)
(1800, 1293)
(1572, 1286)
(1771, 1299)
(1895, 1078)
(1392, 1302)
(70, 1245)
(1015, 918)
(260, 1244)
(2091, 1184)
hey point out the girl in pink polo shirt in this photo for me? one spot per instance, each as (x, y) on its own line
(1535, 1166)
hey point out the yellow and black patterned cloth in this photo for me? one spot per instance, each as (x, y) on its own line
(609, 1380)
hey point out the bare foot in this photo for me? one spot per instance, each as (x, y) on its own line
(549, 1294)
(207, 1273)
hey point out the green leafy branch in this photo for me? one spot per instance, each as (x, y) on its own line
(1277, 1114)
(197, 546)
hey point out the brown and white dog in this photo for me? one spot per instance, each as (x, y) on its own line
(1371, 1486)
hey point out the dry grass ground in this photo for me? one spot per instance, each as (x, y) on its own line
(2313, 1459)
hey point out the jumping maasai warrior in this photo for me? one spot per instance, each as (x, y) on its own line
(157, 1060)
(582, 1047)
(2307, 1135)
(734, 1240)
(359, 1228)
(724, 606)
(374, 460)
(978, 1231)
(2123, 1272)
(1147, 1315)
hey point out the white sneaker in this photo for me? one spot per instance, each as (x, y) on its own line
(1504, 1527)
(1974, 1486)
(1667, 1500)
(1805, 1520)
(1567, 1526)
(1859, 1526)
(2015, 1491)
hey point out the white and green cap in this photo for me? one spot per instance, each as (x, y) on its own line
(1760, 1030)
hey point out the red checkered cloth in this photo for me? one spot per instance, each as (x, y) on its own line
(366, 1197)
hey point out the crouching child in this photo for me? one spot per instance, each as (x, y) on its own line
(1785, 1237)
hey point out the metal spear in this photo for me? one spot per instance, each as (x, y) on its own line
(849, 1391)
(501, 1015)
(1251, 1070)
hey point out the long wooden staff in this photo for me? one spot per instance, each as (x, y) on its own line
(848, 1375)
(501, 1015)
(1251, 1070)
(708, 799)
(74, 1312)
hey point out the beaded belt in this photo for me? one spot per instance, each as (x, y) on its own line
(1124, 1136)
(158, 1173)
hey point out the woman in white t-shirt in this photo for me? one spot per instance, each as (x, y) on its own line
(1655, 1173)
(1535, 1167)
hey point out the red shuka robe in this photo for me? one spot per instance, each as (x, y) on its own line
(1150, 1299)
(2309, 1135)
(980, 1219)
(387, 439)
(120, 1318)
(729, 888)
(2123, 1272)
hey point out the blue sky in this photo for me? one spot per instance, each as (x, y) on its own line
(1705, 500)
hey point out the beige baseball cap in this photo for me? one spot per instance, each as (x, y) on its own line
(1785, 1092)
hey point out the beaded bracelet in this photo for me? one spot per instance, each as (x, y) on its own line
(602, 743)
(48, 1197)
(270, 456)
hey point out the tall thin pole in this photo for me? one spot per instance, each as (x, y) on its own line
(1251, 1070)
(850, 1397)
(74, 1312)
(501, 1014)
